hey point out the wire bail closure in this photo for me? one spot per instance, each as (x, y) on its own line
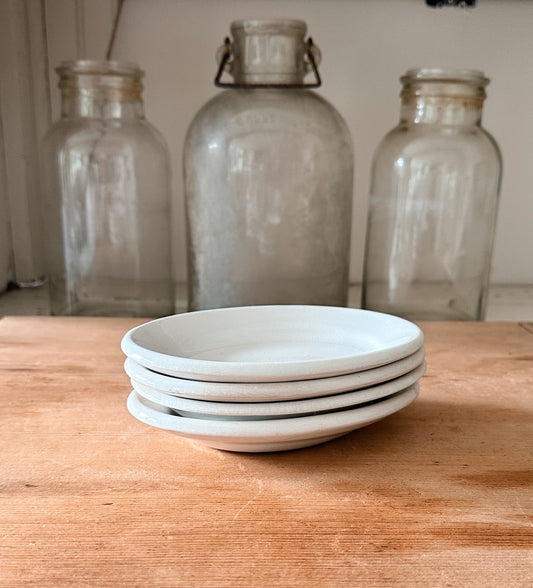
(227, 54)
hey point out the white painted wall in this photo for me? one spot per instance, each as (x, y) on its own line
(366, 46)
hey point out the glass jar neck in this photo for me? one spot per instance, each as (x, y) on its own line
(444, 110)
(101, 89)
(85, 105)
(268, 51)
(439, 96)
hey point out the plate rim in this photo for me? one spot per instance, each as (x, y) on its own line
(225, 371)
(283, 409)
(271, 391)
(276, 429)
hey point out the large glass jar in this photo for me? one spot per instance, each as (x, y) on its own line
(268, 172)
(106, 197)
(433, 202)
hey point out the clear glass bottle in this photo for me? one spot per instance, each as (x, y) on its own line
(268, 172)
(105, 172)
(433, 202)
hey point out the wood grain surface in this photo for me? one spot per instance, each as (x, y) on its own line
(439, 494)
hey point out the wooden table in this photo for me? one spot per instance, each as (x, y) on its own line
(437, 495)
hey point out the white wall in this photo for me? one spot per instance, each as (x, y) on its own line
(366, 46)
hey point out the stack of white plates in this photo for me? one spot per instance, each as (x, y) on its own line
(271, 378)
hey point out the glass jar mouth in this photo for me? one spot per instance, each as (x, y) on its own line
(99, 68)
(445, 75)
(101, 80)
(269, 26)
(269, 52)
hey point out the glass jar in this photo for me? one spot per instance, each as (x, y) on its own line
(106, 197)
(268, 172)
(433, 202)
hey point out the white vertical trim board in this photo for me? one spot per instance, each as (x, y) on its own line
(6, 269)
(25, 115)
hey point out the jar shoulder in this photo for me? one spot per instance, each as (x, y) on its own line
(234, 100)
(86, 134)
(421, 140)
(235, 111)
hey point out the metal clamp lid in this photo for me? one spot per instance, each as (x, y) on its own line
(226, 54)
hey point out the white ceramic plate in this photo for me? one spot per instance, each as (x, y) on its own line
(271, 343)
(144, 378)
(272, 410)
(269, 435)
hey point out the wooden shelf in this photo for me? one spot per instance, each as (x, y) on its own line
(505, 303)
